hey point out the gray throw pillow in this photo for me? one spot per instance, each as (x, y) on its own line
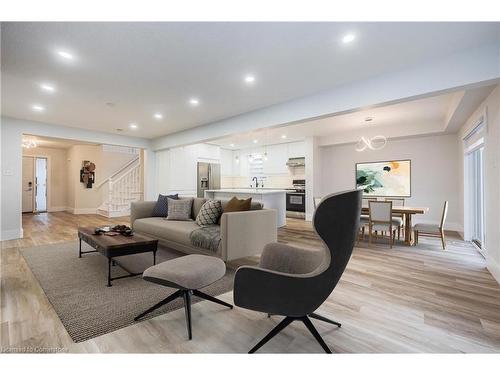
(179, 209)
(209, 213)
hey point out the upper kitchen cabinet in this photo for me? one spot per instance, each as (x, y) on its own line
(296, 149)
(226, 162)
(277, 156)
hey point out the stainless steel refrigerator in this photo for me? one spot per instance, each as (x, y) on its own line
(208, 177)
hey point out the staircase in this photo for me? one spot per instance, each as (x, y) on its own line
(121, 189)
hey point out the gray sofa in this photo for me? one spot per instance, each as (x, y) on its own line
(243, 234)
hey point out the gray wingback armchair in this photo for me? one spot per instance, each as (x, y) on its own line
(294, 282)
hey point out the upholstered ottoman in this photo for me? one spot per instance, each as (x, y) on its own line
(187, 274)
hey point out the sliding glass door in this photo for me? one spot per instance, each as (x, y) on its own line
(475, 164)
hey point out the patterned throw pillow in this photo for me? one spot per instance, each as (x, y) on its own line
(179, 209)
(161, 207)
(209, 213)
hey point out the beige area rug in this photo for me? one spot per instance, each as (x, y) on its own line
(76, 288)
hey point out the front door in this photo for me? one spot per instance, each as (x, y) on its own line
(28, 184)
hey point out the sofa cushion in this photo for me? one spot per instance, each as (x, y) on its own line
(161, 207)
(187, 272)
(197, 203)
(176, 231)
(179, 209)
(209, 213)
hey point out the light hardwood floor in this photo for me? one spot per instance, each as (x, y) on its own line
(418, 299)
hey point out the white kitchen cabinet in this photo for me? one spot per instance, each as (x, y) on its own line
(277, 156)
(242, 167)
(296, 149)
(226, 162)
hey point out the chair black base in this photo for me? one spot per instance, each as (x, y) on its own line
(307, 322)
(186, 295)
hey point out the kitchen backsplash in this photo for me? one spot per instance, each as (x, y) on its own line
(271, 181)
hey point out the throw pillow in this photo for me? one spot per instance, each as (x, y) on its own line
(236, 204)
(179, 209)
(209, 213)
(161, 207)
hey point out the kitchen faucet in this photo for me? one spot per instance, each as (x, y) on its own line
(256, 182)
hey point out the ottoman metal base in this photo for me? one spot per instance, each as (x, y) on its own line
(186, 295)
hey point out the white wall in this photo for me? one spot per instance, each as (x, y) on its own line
(11, 162)
(80, 199)
(434, 172)
(491, 109)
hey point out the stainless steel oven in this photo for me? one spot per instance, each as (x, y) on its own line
(296, 202)
(296, 199)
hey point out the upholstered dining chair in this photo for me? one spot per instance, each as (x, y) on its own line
(430, 230)
(398, 202)
(294, 282)
(381, 220)
(364, 219)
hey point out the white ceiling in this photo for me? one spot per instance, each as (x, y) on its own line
(409, 114)
(148, 67)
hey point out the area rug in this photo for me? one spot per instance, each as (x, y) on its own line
(76, 288)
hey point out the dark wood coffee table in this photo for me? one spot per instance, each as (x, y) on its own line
(116, 246)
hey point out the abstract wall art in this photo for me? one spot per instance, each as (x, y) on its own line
(384, 178)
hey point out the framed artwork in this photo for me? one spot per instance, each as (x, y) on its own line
(384, 178)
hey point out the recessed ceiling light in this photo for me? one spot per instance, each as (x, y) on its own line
(249, 79)
(158, 116)
(348, 38)
(65, 55)
(231, 145)
(119, 129)
(194, 102)
(368, 119)
(283, 136)
(255, 141)
(47, 87)
(133, 125)
(38, 108)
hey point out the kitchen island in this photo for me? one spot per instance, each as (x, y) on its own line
(270, 198)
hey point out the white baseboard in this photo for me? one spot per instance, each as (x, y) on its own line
(82, 211)
(57, 209)
(493, 267)
(12, 234)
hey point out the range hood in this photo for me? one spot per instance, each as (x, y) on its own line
(296, 162)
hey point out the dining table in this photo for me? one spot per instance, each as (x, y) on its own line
(407, 212)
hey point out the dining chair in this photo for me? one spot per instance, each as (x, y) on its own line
(432, 230)
(381, 220)
(364, 219)
(398, 202)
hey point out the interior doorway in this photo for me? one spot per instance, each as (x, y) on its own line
(34, 184)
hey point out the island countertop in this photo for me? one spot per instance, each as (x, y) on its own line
(274, 199)
(247, 191)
